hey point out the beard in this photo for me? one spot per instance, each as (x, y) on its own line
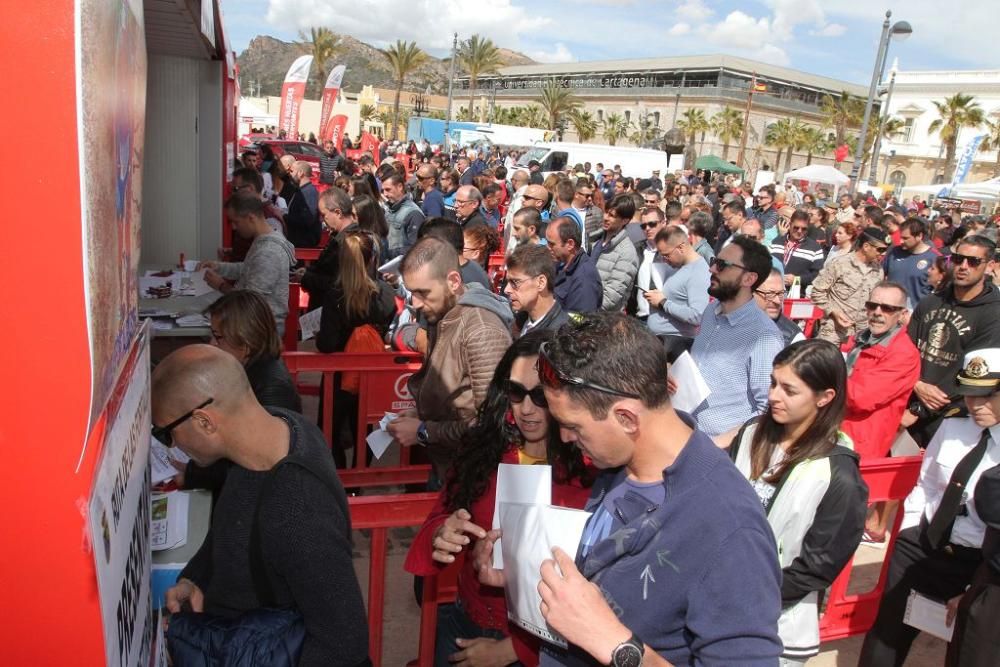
(723, 291)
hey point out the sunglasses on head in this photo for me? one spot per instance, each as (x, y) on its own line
(973, 262)
(162, 433)
(555, 378)
(886, 308)
(517, 392)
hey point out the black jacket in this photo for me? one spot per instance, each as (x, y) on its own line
(321, 274)
(555, 318)
(805, 261)
(336, 326)
(474, 220)
(302, 220)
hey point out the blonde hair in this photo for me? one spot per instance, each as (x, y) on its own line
(356, 253)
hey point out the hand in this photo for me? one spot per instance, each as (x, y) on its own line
(185, 591)
(788, 279)
(404, 430)
(840, 320)
(952, 607)
(391, 278)
(782, 227)
(671, 385)
(930, 395)
(576, 609)
(207, 265)
(450, 538)
(214, 280)
(482, 561)
(298, 273)
(654, 297)
(484, 652)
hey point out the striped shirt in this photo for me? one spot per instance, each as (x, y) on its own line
(734, 352)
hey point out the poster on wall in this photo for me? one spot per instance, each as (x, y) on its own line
(111, 121)
(119, 516)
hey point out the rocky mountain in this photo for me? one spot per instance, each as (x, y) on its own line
(263, 65)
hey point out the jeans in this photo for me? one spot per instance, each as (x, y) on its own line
(453, 623)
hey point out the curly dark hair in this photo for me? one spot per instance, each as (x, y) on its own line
(483, 446)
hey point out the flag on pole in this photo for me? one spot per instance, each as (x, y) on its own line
(964, 164)
(330, 92)
(292, 92)
(335, 127)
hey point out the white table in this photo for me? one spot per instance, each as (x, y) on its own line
(177, 306)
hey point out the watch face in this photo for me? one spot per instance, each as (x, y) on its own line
(627, 655)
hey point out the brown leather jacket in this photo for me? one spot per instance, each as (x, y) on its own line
(464, 349)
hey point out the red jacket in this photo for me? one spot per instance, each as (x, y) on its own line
(485, 605)
(878, 390)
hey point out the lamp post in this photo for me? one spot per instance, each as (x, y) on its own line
(888, 161)
(419, 102)
(451, 87)
(883, 119)
(900, 30)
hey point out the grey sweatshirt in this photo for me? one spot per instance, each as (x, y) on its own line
(265, 271)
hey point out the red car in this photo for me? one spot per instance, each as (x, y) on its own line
(253, 139)
(300, 150)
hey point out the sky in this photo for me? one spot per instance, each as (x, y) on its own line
(835, 38)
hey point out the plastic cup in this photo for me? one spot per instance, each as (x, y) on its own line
(190, 265)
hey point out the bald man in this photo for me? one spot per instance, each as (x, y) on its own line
(282, 488)
(468, 200)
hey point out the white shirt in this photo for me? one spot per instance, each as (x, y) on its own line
(651, 267)
(953, 440)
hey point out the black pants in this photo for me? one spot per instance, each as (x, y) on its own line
(976, 642)
(940, 575)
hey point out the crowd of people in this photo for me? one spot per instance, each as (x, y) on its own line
(737, 514)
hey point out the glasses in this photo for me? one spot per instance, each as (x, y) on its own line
(530, 198)
(517, 392)
(721, 265)
(768, 295)
(586, 195)
(973, 262)
(799, 228)
(469, 248)
(242, 187)
(886, 308)
(462, 202)
(517, 282)
(648, 225)
(652, 202)
(162, 433)
(553, 377)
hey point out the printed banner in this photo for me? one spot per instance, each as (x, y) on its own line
(964, 164)
(330, 92)
(292, 92)
(369, 142)
(336, 127)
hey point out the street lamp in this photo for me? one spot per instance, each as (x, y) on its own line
(883, 118)
(419, 101)
(900, 30)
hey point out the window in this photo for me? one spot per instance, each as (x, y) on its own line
(628, 116)
(600, 115)
(897, 180)
(906, 134)
(656, 119)
(556, 161)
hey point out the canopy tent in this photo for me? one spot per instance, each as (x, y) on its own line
(254, 115)
(982, 191)
(715, 163)
(819, 173)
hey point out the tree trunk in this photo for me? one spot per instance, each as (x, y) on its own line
(777, 157)
(701, 148)
(725, 151)
(472, 94)
(788, 161)
(809, 158)
(395, 109)
(949, 158)
(996, 167)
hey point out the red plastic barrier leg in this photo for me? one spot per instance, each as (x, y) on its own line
(376, 595)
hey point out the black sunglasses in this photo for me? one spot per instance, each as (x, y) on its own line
(648, 225)
(517, 392)
(973, 262)
(162, 433)
(721, 264)
(555, 378)
(886, 308)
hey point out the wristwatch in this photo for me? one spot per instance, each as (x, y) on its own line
(628, 653)
(422, 436)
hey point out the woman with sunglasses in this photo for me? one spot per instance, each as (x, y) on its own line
(807, 478)
(513, 426)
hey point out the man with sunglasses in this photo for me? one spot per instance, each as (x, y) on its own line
(945, 324)
(676, 307)
(530, 277)
(766, 212)
(800, 255)
(431, 200)
(654, 580)
(282, 499)
(651, 267)
(843, 286)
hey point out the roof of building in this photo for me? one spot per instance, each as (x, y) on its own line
(712, 61)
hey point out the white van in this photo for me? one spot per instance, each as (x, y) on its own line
(559, 156)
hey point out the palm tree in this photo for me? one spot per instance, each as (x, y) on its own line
(992, 143)
(783, 136)
(404, 58)
(615, 128)
(367, 112)
(692, 122)
(322, 44)
(584, 123)
(533, 116)
(955, 112)
(842, 112)
(728, 127)
(814, 141)
(478, 55)
(646, 131)
(557, 102)
(797, 140)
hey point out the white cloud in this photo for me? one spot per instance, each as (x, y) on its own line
(560, 55)
(679, 29)
(769, 53)
(738, 30)
(694, 11)
(830, 30)
(430, 23)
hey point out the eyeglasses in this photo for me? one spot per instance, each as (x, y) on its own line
(530, 198)
(517, 282)
(162, 433)
(517, 392)
(800, 228)
(472, 248)
(973, 262)
(721, 265)
(648, 225)
(586, 195)
(555, 378)
(769, 296)
(886, 308)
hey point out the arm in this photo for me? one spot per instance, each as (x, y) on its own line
(199, 568)
(434, 206)
(268, 269)
(334, 329)
(696, 295)
(877, 387)
(833, 536)
(809, 275)
(412, 226)
(229, 270)
(760, 364)
(319, 276)
(418, 558)
(821, 285)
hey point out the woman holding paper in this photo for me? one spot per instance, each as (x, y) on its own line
(806, 475)
(513, 426)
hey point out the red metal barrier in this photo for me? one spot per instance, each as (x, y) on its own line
(291, 338)
(807, 323)
(378, 514)
(308, 255)
(847, 615)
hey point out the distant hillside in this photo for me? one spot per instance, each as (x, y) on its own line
(266, 60)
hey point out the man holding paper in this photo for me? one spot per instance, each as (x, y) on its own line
(655, 580)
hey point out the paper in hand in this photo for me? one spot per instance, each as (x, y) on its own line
(927, 615)
(519, 484)
(531, 532)
(309, 323)
(692, 390)
(379, 440)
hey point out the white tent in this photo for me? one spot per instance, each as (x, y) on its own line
(818, 173)
(982, 191)
(252, 114)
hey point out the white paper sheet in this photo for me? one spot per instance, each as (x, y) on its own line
(392, 266)
(530, 534)
(692, 390)
(801, 311)
(169, 527)
(379, 440)
(927, 615)
(520, 484)
(159, 459)
(309, 323)
(196, 285)
(193, 320)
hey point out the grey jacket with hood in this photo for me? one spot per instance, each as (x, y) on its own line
(617, 264)
(265, 271)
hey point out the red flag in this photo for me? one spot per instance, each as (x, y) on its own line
(841, 153)
(335, 129)
(330, 92)
(292, 92)
(369, 142)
